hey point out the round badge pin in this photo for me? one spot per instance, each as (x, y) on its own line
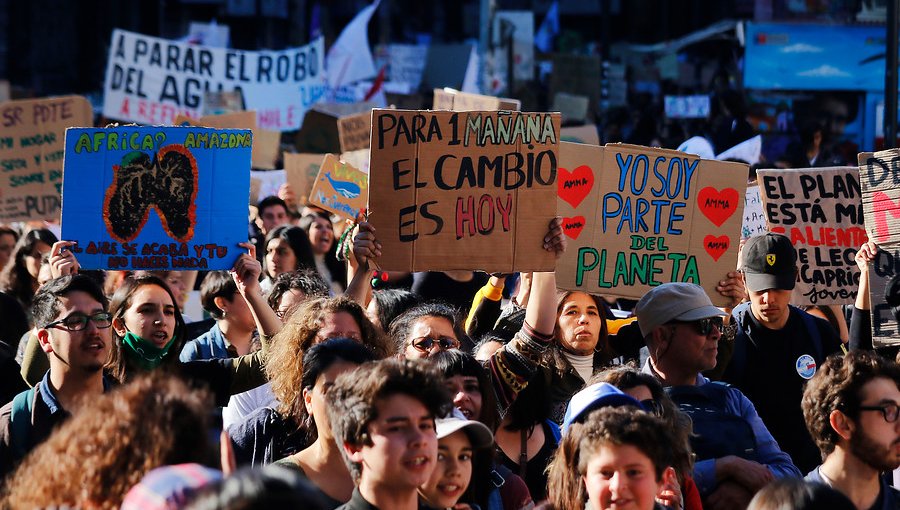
(806, 366)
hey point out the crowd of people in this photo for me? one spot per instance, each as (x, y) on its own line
(318, 383)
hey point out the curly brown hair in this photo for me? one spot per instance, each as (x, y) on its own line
(836, 387)
(284, 365)
(93, 459)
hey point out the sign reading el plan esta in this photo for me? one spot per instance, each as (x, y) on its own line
(463, 190)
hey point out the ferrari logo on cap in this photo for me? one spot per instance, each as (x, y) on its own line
(770, 259)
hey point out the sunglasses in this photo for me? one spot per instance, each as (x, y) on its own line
(705, 326)
(426, 343)
(79, 321)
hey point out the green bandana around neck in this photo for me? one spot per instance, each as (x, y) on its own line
(143, 353)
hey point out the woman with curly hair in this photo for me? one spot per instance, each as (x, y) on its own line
(19, 278)
(93, 459)
(271, 434)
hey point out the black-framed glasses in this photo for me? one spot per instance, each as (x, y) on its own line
(78, 321)
(426, 343)
(889, 411)
(705, 326)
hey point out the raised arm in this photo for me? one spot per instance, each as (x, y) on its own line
(366, 249)
(246, 274)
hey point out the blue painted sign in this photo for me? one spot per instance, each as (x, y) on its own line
(162, 198)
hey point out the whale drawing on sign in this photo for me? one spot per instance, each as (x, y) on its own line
(346, 189)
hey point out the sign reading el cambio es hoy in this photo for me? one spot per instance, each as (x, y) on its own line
(463, 190)
(638, 217)
(31, 154)
(156, 197)
(879, 179)
(820, 210)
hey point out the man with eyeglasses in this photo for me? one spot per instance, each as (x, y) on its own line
(851, 408)
(74, 331)
(736, 455)
(777, 347)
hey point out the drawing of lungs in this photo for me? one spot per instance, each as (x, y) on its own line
(346, 189)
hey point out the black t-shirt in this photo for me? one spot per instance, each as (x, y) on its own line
(770, 376)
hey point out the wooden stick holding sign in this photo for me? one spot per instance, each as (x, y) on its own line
(463, 190)
(638, 217)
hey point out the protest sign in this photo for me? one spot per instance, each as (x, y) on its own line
(340, 188)
(449, 99)
(219, 102)
(354, 131)
(574, 108)
(516, 28)
(300, 171)
(405, 63)
(265, 183)
(151, 80)
(5, 91)
(358, 159)
(879, 176)
(638, 217)
(820, 210)
(32, 135)
(754, 223)
(580, 134)
(166, 198)
(319, 133)
(265, 143)
(463, 190)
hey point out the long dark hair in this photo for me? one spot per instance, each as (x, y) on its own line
(118, 365)
(15, 279)
(335, 267)
(456, 362)
(297, 239)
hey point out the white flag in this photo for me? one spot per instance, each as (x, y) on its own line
(349, 59)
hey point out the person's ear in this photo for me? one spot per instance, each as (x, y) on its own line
(307, 401)
(118, 324)
(221, 303)
(841, 424)
(354, 452)
(43, 337)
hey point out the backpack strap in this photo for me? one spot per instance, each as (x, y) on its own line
(20, 421)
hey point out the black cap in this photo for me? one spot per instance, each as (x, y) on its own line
(770, 262)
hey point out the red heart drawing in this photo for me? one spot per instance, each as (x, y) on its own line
(573, 226)
(716, 246)
(717, 205)
(574, 186)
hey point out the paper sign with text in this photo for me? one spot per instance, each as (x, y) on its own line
(754, 223)
(638, 217)
(820, 210)
(354, 131)
(340, 188)
(166, 198)
(32, 135)
(463, 190)
(879, 180)
(449, 99)
(151, 80)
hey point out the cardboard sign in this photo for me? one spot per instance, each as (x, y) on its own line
(301, 170)
(319, 133)
(754, 223)
(638, 217)
(358, 159)
(470, 190)
(879, 174)
(354, 131)
(167, 198)
(265, 183)
(820, 210)
(453, 100)
(151, 80)
(574, 108)
(581, 134)
(340, 188)
(32, 135)
(265, 143)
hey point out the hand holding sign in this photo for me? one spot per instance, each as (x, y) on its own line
(365, 245)
(733, 288)
(555, 241)
(62, 260)
(246, 271)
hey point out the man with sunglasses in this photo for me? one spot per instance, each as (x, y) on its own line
(851, 407)
(73, 328)
(736, 454)
(777, 347)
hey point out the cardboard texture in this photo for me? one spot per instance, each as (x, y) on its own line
(454, 100)
(754, 223)
(452, 190)
(32, 142)
(354, 131)
(581, 134)
(319, 133)
(820, 210)
(150, 80)
(301, 170)
(879, 175)
(574, 108)
(638, 217)
(167, 198)
(265, 143)
(340, 188)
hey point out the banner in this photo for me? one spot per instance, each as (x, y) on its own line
(166, 198)
(32, 135)
(820, 210)
(463, 190)
(638, 217)
(879, 180)
(340, 188)
(151, 80)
